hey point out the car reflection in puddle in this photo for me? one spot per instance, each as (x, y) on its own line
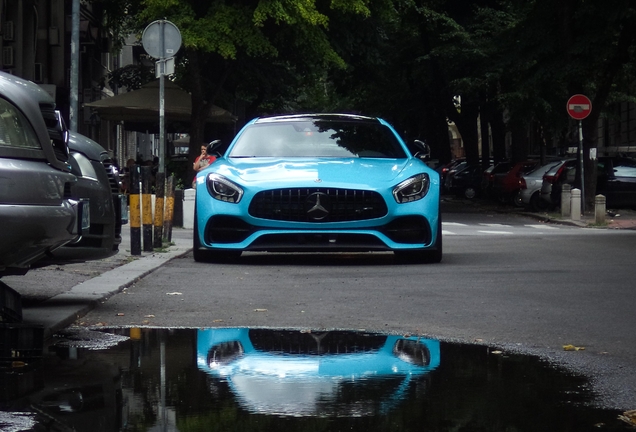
(132, 379)
(323, 374)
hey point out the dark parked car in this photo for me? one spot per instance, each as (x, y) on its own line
(466, 182)
(98, 183)
(38, 213)
(445, 169)
(616, 180)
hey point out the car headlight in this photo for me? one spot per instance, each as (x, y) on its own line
(412, 189)
(224, 190)
(412, 351)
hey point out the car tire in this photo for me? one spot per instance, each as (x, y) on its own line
(209, 256)
(432, 256)
(537, 203)
(470, 192)
(516, 199)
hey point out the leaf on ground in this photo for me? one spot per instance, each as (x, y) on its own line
(628, 417)
(572, 348)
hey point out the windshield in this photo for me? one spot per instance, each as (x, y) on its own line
(318, 138)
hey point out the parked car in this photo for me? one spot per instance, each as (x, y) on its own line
(562, 173)
(488, 178)
(445, 169)
(466, 182)
(38, 213)
(530, 187)
(616, 180)
(97, 185)
(318, 182)
(506, 185)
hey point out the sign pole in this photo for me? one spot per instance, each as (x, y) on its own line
(582, 167)
(579, 107)
(162, 112)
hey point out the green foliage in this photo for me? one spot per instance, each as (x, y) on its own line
(402, 59)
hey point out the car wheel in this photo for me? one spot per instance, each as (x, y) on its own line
(516, 199)
(432, 256)
(209, 256)
(537, 203)
(470, 192)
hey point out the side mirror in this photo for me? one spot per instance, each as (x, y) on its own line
(424, 151)
(213, 147)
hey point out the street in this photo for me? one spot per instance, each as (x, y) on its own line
(505, 280)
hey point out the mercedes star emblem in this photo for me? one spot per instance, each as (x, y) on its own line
(317, 206)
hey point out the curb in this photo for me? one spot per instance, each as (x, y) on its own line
(60, 311)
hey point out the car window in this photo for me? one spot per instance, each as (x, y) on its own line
(15, 130)
(318, 138)
(625, 168)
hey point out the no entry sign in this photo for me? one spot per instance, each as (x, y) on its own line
(579, 106)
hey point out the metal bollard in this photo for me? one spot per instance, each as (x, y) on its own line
(160, 188)
(599, 209)
(135, 212)
(146, 207)
(566, 207)
(576, 204)
(167, 218)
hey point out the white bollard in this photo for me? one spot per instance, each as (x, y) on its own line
(566, 210)
(188, 208)
(599, 209)
(576, 204)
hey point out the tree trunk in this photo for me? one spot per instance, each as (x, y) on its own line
(197, 119)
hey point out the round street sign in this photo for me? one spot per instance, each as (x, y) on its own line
(161, 33)
(579, 106)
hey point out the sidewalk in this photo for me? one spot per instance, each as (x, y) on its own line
(56, 296)
(614, 219)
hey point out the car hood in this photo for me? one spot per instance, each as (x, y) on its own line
(83, 144)
(326, 172)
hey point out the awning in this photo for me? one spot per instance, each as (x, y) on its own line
(142, 106)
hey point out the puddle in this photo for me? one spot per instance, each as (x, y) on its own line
(263, 380)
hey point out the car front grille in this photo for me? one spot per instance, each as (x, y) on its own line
(111, 172)
(319, 205)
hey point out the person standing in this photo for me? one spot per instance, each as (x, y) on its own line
(201, 162)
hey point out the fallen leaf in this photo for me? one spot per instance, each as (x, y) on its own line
(260, 310)
(174, 293)
(149, 316)
(628, 417)
(572, 348)
(145, 322)
(218, 320)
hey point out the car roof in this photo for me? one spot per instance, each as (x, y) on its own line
(319, 116)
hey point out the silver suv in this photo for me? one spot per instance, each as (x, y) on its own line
(38, 213)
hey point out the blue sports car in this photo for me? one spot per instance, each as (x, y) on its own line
(318, 183)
